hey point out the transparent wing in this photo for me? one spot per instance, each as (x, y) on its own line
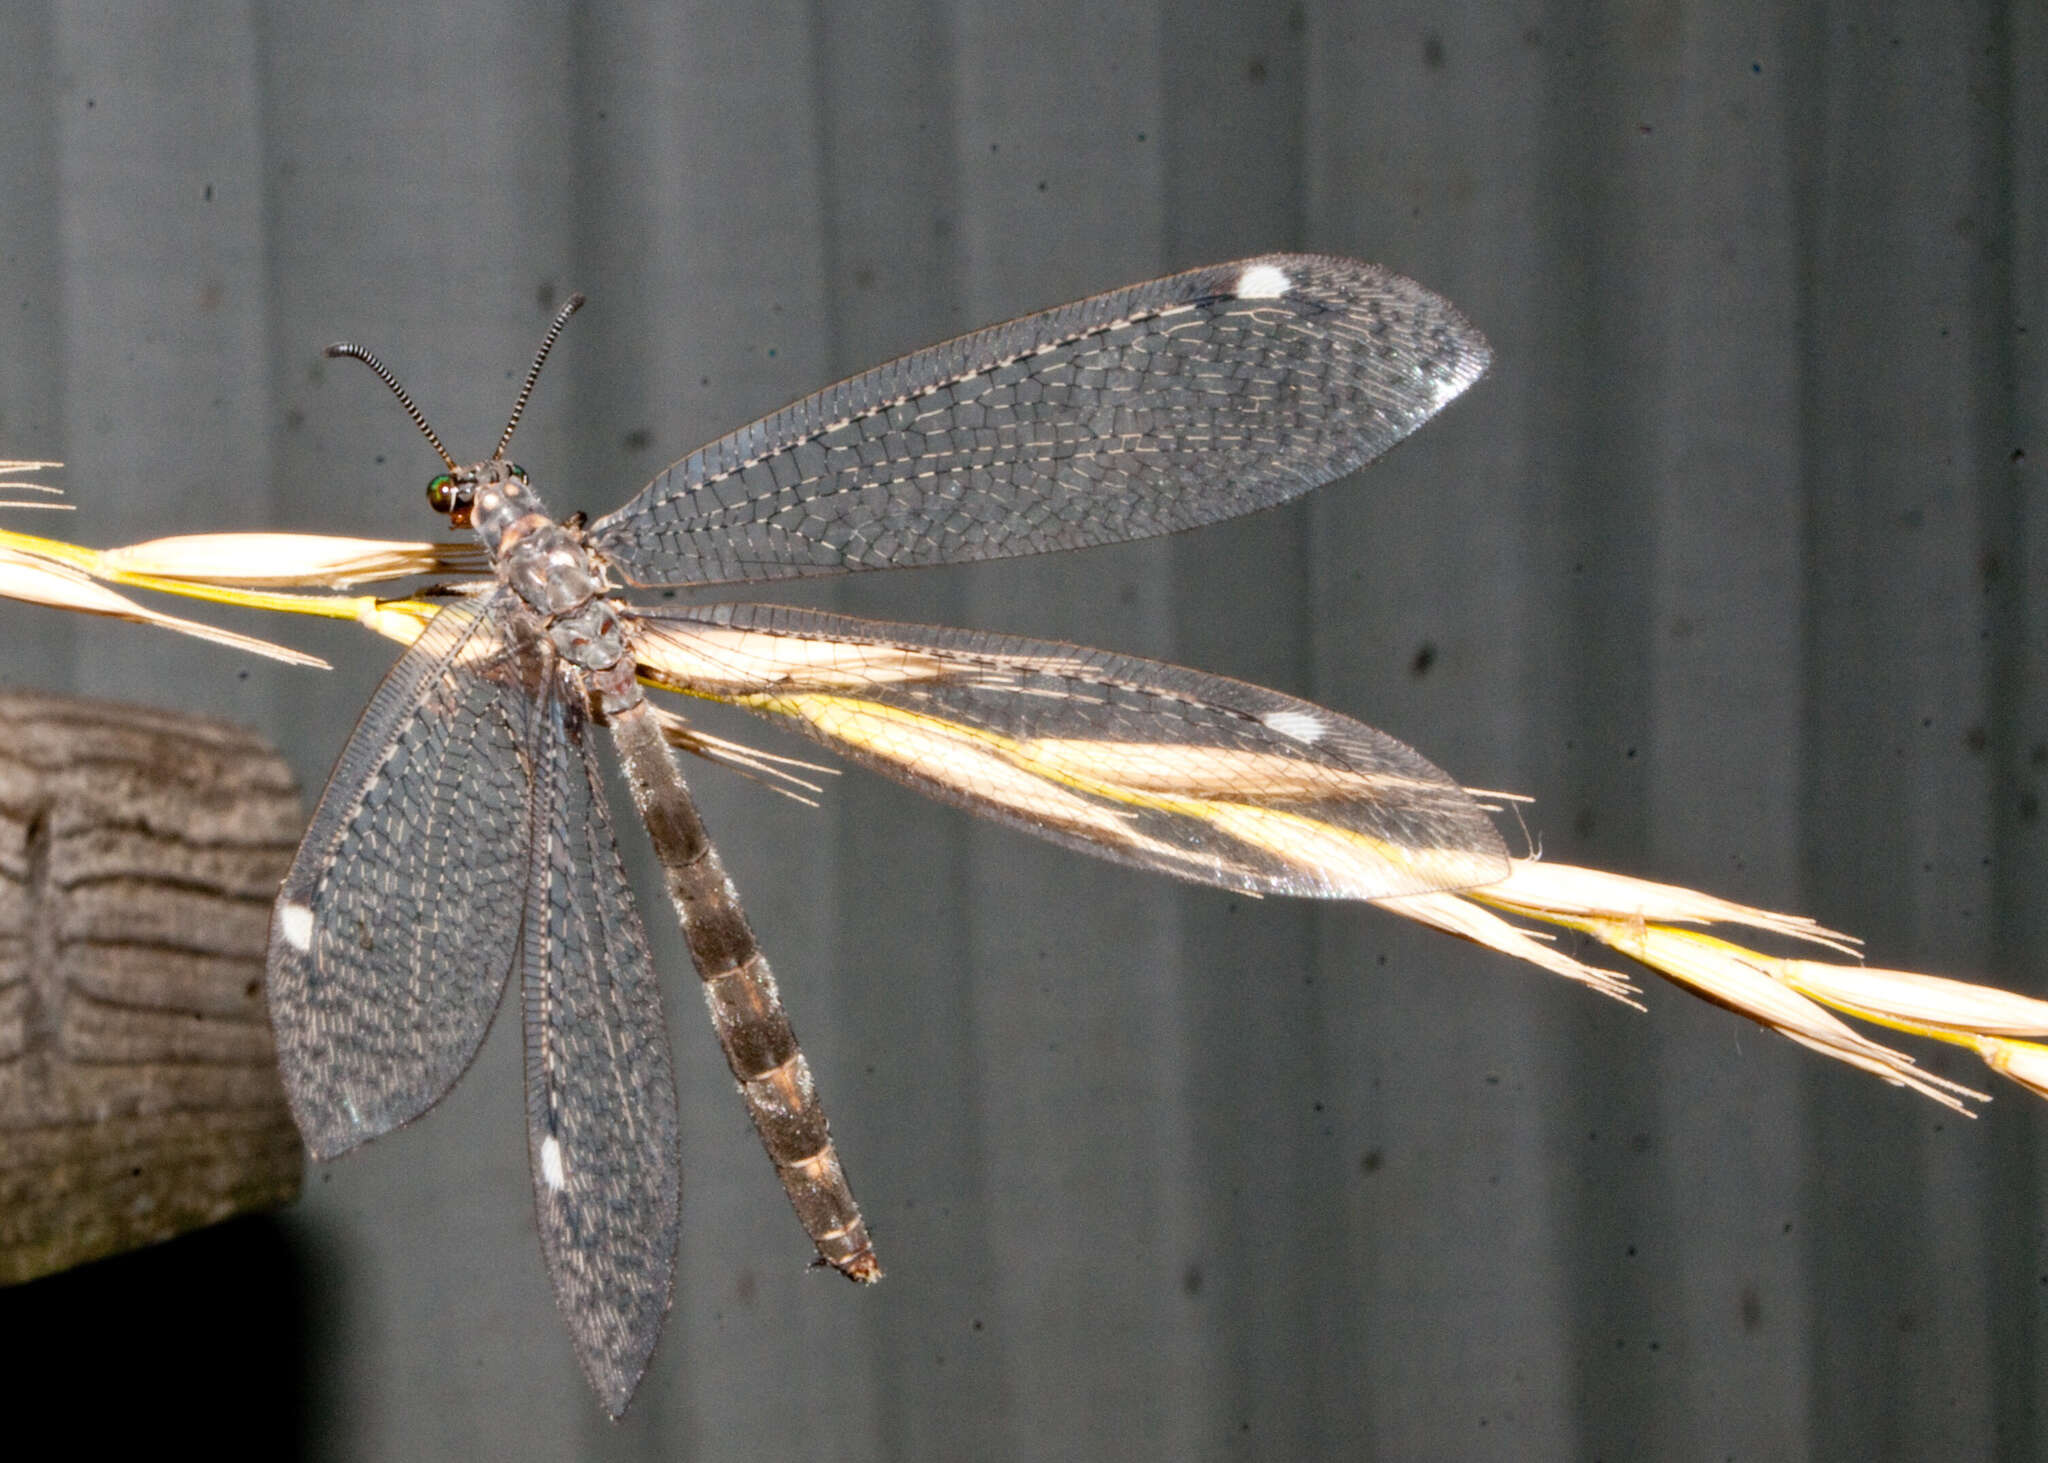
(398, 923)
(1148, 764)
(1149, 409)
(600, 1083)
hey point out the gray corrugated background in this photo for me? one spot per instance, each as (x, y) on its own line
(1738, 563)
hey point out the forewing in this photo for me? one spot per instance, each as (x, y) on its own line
(397, 925)
(1154, 765)
(1149, 409)
(600, 1084)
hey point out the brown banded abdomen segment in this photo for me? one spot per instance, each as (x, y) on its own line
(774, 1079)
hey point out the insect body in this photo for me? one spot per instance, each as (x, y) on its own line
(464, 834)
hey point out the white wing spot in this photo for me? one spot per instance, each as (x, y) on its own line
(295, 926)
(1263, 282)
(551, 1171)
(1296, 724)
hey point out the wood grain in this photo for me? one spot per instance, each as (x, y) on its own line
(139, 853)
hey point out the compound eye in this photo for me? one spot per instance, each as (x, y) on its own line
(518, 472)
(454, 496)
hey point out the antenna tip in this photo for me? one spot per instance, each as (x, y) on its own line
(339, 348)
(576, 301)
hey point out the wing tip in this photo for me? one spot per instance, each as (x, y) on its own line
(616, 1365)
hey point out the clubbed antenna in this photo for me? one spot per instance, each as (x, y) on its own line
(547, 344)
(356, 352)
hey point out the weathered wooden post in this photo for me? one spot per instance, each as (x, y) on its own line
(139, 853)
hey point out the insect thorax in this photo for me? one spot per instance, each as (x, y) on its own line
(547, 566)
